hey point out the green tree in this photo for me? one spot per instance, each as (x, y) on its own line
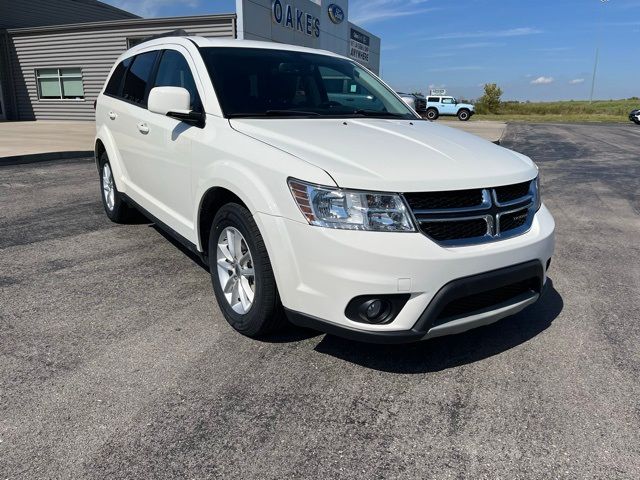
(490, 101)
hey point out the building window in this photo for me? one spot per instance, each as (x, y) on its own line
(59, 83)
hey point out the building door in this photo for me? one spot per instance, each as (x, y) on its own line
(3, 113)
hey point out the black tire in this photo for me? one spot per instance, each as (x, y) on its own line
(432, 114)
(266, 314)
(464, 115)
(637, 122)
(119, 212)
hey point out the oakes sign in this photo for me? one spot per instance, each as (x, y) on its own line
(295, 19)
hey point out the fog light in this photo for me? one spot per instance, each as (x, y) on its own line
(374, 309)
(378, 309)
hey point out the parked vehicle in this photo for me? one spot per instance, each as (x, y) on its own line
(369, 223)
(415, 101)
(634, 116)
(448, 106)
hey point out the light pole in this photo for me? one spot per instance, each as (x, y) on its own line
(595, 65)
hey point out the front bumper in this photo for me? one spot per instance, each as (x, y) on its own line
(319, 271)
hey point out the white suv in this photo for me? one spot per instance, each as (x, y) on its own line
(367, 223)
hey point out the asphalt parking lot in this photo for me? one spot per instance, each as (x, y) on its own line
(115, 361)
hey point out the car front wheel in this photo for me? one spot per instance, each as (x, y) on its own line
(464, 115)
(241, 273)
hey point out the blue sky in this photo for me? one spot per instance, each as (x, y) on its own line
(535, 50)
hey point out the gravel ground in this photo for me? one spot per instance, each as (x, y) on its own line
(115, 361)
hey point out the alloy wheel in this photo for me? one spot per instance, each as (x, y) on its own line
(235, 270)
(108, 187)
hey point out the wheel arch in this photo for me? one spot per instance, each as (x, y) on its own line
(210, 203)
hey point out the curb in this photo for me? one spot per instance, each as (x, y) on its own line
(45, 157)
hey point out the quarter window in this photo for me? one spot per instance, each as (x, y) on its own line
(174, 71)
(60, 83)
(115, 82)
(137, 78)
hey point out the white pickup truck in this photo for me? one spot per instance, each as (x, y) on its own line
(353, 217)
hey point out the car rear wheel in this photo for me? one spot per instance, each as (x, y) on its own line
(112, 200)
(432, 114)
(464, 115)
(241, 273)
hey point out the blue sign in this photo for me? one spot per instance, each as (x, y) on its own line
(295, 18)
(336, 13)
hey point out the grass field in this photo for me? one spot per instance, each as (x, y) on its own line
(568, 111)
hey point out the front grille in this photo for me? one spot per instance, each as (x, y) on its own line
(445, 200)
(461, 229)
(488, 300)
(464, 217)
(510, 193)
(513, 220)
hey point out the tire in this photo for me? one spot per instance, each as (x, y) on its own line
(637, 122)
(265, 314)
(432, 114)
(112, 200)
(464, 115)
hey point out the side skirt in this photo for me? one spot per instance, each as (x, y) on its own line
(167, 229)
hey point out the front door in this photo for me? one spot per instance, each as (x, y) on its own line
(448, 106)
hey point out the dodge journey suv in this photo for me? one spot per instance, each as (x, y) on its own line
(346, 214)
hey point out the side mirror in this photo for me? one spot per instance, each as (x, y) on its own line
(174, 102)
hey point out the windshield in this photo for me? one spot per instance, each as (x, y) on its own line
(256, 82)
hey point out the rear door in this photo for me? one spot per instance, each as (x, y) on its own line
(135, 149)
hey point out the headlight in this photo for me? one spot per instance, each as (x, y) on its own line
(537, 198)
(351, 209)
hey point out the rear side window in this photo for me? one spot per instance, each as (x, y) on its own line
(434, 99)
(115, 82)
(174, 71)
(137, 78)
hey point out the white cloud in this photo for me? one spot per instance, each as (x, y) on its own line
(513, 32)
(576, 81)
(151, 8)
(371, 11)
(542, 81)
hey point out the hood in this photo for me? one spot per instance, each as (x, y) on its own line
(465, 105)
(392, 155)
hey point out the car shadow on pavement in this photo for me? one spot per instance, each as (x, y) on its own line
(455, 350)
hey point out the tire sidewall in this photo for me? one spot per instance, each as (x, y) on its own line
(231, 216)
(463, 115)
(432, 114)
(112, 214)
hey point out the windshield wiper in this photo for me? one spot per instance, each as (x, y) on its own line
(374, 113)
(275, 113)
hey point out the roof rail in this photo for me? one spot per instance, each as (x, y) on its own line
(173, 33)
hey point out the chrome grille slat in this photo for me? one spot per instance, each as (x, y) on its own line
(516, 214)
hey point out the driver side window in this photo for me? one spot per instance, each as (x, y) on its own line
(174, 71)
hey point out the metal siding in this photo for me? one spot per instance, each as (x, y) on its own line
(55, 12)
(94, 50)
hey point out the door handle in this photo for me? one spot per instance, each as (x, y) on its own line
(113, 115)
(143, 128)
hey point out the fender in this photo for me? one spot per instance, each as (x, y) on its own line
(104, 135)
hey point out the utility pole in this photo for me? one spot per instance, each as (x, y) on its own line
(595, 65)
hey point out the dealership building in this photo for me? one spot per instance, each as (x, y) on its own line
(55, 55)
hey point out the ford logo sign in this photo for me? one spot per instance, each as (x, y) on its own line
(336, 13)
